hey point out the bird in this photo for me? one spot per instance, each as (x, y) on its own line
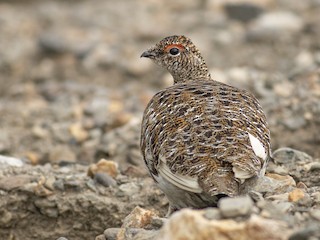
(201, 139)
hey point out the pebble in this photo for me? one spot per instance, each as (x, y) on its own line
(290, 156)
(59, 185)
(273, 25)
(15, 162)
(104, 179)
(138, 218)
(129, 188)
(212, 214)
(13, 182)
(61, 153)
(296, 195)
(243, 11)
(315, 213)
(101, 237)
(190, 224)
(272, 184)
(111, 233)
(234, 207)
(104, 166)
(78, 132)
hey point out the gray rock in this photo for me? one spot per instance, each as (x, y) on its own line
(13, 182)
(62, 238)
(212, 213)
(130, 188)
(10, 161)
(104, 179)
(274, 25)
(100, 237)
(289, 156)
(234, 207)
(294, 123)
(243, 11)
(308, 233)
(111, 233)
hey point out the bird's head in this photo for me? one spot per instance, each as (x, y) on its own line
(180, 57)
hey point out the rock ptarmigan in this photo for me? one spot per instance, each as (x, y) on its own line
(201, 139)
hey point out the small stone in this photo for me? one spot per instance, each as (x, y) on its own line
(190, 224)
(61, 153)
(296, 195)
(234, 207)
(33, 157)
(13, 182)
(302, 186)
(78, 132)
(279, 197)
(315, 213)
(212, 214)
(104, 166)
(272, 184)
(101, 237)
(129, 188)
(138, 218)
(295, 122)
(134, 171)
(314, 166)
(49, 182)
(74, 185)
(59, 185)
(62, 238)
(290, 155)
(41, 191)
(243, 11)
(307, 233)
(104, 179)
(274, 25)
(316, 197)
(40, 132)
(111, 233)
(256, 196)
(6, 217)
(15, 162)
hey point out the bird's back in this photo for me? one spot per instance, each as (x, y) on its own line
(208, 131)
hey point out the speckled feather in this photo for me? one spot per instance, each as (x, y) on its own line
(200, 129)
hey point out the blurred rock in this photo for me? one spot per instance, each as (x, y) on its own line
(10, 161)
(289, 156)
(243, 11)
(104, 166)
(272, 184)
(234, 207)
(138, 218)
(295, 195)
(78, 132)
(189, 224)
(275, 25)
(104, 179)
(13, 182)
(61, 153)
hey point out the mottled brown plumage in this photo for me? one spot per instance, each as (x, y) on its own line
(200, 138)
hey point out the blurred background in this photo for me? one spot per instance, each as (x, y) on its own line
(73, 88)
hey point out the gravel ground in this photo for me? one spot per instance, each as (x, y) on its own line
(73, 90)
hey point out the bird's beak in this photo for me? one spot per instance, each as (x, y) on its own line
(148, 54)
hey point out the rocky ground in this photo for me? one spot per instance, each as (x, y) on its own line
(73, 90)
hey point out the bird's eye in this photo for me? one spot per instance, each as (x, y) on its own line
(174, 51)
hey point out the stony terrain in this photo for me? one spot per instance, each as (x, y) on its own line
(73, 90)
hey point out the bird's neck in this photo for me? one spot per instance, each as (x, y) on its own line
(194, 75)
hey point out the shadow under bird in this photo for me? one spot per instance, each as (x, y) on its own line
(201, 139)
